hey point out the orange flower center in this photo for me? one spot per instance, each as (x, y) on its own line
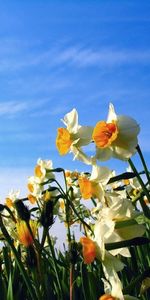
(107, 297)
(89, 250)
(63, 141)
(88, 188)
(24, 234)
(104, 134)
(32, 199)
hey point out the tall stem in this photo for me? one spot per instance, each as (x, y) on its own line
(143, 162)
(55, 266)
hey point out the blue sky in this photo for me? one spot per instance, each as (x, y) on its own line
(57, 55)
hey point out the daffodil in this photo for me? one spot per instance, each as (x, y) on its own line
(74, 136)
(93, 186)
(117, 223)
(12, 196)
(42, 170)
(35, 189)
(24, 235)
(111, 265)
(115, 137)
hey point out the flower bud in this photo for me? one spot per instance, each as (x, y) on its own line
(46, 218)
(22, 210)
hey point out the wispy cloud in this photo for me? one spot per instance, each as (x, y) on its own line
(14, 56)
(38, 107)
(86, 57)
(10, 108)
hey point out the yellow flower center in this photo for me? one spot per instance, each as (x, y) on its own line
(38, 171)
(9, 202)
(47, 196)
(63, 141)
(104, 134)
(88, 188)
(89, 250)
(62, 204)
(30, 187)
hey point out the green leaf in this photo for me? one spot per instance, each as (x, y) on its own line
(10, 289)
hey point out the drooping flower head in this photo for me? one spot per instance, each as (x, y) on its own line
(115, 137)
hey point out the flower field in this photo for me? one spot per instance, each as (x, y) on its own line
(110, 260)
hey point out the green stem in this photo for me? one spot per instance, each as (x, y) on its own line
(127, 243)
(55, 266)
(139, 179)
(138, 279)
(143, 162)
(18, 261)
(82, 221)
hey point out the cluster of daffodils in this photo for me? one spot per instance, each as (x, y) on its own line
(116, 137)
(113, 218)
(99, 203)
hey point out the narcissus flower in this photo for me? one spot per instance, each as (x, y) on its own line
(115, 137)
(35, 188)
(73, 136)
(42, 169)
(88, 188)
(24, 235)
(88, 249)
(92, 187)
(116, 223)
(12, 196)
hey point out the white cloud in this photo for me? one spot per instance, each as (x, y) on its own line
(85, 57)
(18, 57)
(12, 107)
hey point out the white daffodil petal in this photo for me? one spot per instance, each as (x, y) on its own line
(111, 114)
(103, 154)
(122, 251)
(80, 155)
(109, 266)
(130, 232)
(128, 127)
(100, 174)
(124, 154)
(85, 135)
(71, 121)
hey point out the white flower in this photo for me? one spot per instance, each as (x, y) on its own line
(93, 186)
(74, 136)
(116, 137)
(34, 187)
(42, 170)
(111, 226)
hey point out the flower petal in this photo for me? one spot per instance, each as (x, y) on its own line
(71, 121)
(100, 174)
(111, 114)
